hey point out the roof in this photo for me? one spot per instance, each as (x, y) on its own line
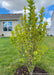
(9, 16)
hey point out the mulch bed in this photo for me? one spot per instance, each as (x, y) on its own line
(24, 71)
(39, 71)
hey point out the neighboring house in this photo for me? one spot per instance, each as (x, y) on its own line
(52, 25)
(8, 22)
(50, 31)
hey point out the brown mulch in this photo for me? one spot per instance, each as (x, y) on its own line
(24, 71)
(39, 71)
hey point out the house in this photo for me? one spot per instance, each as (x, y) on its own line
(52, 25)
(50, 30)
(8, 22)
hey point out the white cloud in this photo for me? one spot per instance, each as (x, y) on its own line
(45, 3)
(16, 12)
(16, 6)
(49, 22)
(5, 4)
(19, 4)
(22, 11)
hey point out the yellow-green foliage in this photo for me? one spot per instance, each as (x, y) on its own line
(28, 36)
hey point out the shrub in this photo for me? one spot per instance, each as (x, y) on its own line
(28, 36)
(51, 35)
(2, 35)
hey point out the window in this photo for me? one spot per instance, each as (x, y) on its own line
(7, 26)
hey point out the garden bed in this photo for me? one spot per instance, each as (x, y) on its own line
(24, 71)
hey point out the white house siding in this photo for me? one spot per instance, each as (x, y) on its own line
(48, 31)
(7, 33)
(52, 25)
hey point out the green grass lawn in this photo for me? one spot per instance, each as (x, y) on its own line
(47, 61)
(9, 56)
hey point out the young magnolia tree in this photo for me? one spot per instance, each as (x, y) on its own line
(28, 36)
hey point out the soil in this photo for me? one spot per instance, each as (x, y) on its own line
(39, 71)
(24, 71)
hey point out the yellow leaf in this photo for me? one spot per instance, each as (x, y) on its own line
(35, 52)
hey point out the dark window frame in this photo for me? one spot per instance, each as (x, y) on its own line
(7, 26)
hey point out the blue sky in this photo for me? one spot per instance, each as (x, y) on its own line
(4, 11)
(49, 11)
(14, 6)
